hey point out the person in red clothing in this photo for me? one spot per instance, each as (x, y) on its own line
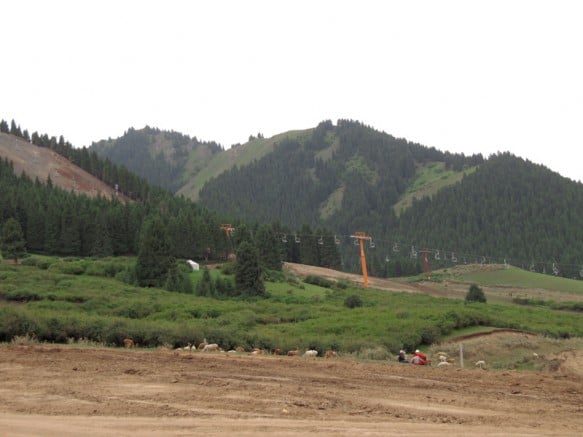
(419, 358)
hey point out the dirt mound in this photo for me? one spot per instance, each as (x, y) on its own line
(40, 162)
(62, 390)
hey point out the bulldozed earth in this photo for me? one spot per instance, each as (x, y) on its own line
(68, 390)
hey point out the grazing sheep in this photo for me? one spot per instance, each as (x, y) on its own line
(257, 351)
(443, 358)
(128, 342)
(535, 355)
(292, 353)
(277, 351)
(330, 354)
(202, 345)
(188, 347)
(443, 363)
(240, 349)
(480, 364)
(311, 353)
(211, 347)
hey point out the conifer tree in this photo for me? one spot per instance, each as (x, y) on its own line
(248, 271)
(12, 240)
(155, 255)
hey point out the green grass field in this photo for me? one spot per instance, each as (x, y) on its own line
(516, 277)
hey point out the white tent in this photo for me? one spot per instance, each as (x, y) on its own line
(194, 265)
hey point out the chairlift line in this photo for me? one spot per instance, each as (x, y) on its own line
(413, 253)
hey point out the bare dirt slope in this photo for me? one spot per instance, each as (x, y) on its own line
(62, 390)
(304, 270)
(40, 162)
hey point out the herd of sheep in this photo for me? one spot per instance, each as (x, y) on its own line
(204, 346)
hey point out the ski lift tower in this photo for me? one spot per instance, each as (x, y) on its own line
(426, 266)
(360, 237)
(228, 232)
(228, 229)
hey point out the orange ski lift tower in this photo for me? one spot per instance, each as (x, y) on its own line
(359, 237)
(228, 229)
(229, 232)
(426, 266)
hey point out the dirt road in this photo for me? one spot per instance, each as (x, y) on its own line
(58, 390)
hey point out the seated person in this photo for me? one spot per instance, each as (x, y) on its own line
(403, 357)
(419, 358)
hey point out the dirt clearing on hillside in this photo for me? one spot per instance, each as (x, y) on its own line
(63, 390)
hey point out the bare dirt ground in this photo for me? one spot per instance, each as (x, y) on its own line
(40, 162)
(61, 390)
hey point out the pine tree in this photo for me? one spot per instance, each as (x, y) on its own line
(12, 241)
(155, 255)
(248, 272)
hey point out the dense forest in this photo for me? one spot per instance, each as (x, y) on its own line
(55, 221)
(358, 172)
(507, 210)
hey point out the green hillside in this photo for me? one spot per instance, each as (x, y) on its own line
(428, 180)
(515, 277)
(198, 174)
(60, 300)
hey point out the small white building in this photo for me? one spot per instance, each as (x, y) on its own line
(193, 265)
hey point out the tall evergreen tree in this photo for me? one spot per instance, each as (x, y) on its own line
(248, 272)
(155, 254)
(12, 240)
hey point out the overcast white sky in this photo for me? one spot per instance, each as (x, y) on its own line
(461, 76)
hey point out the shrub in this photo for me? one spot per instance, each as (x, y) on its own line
(319, 281)
(353, 301)
(475, 294)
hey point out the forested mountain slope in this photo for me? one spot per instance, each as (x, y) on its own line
(166, 159)
(509, 209)
(347, 177)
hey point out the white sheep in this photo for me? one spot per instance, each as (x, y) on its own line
(211, 347)
(311, 353)
(202, 345)
(443, 363)
(480, 364)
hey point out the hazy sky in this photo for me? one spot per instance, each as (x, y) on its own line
(461, 76)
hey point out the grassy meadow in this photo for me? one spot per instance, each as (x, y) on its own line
(67, 300)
